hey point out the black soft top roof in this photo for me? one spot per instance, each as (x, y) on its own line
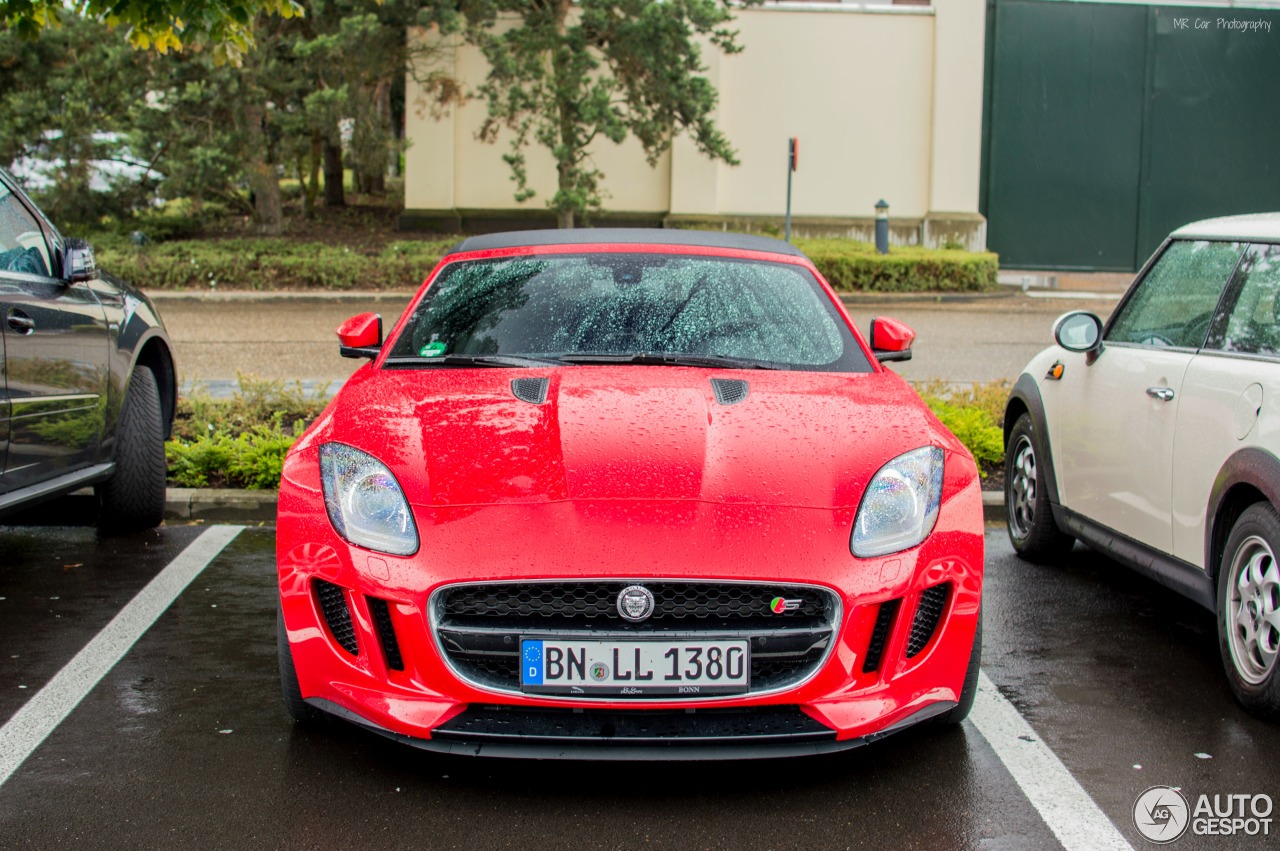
(639, 236)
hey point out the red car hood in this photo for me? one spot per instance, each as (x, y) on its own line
(459, 437)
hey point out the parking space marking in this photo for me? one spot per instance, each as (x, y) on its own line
(1074, 818)
(41, 715)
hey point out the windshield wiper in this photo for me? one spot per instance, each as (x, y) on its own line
(509, 361)
(672, 359)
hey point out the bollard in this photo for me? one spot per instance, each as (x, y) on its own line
(882, 227)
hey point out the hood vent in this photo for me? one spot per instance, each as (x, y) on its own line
(531, 390)
(729, 391)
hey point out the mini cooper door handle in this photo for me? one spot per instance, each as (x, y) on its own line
(1164, 394)
(20, 322)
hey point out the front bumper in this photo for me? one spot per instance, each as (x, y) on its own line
(647, 736)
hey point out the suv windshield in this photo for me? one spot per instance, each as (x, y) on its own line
(635, 308)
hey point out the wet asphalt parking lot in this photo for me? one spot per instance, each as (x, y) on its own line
(1100, 684)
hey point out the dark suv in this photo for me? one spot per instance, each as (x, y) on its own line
(88, 387)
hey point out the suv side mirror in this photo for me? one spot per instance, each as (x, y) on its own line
(78, 263)
(360, 336)
(890, 339)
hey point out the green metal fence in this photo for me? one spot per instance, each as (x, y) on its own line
(1107, 125)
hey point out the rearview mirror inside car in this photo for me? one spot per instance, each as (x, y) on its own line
(360, 336)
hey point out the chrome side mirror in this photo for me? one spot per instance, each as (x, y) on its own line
(78, 263)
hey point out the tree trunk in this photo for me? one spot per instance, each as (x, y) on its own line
(565, 218)
(312, 190)
(333, 192)
(263, 181)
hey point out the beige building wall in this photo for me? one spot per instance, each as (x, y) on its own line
(886, 101)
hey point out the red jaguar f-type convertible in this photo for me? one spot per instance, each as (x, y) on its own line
(628, 494)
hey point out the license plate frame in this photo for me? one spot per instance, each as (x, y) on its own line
(580, 676)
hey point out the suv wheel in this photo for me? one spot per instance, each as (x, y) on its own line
(1032, 531)
(1249, 609)
(133, 498)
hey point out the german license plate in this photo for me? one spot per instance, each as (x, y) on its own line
(635, 668)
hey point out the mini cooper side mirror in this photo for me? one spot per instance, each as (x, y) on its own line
(1079, 331)
(890, 339)
(360, 336)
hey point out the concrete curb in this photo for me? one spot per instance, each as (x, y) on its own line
(220, 505)
(230, 505)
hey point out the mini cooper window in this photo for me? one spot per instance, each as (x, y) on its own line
(1175, 302)
(566, 305)
(1254, 324)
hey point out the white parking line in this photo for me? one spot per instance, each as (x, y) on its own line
(33, 723)
(1066, 808)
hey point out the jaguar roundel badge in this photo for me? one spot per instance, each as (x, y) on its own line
(635, 603)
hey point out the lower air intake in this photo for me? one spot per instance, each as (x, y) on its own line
(932, 603)
(665, 728)
(333, 603)
(880, 634)
(386, 633)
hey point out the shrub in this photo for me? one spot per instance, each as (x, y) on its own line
(973, 416)
(270, 264)
(241, 441)
(252, 459)
(284, 264)
(856, 267)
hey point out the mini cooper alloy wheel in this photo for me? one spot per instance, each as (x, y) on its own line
(1253, 610)
(1022, 489)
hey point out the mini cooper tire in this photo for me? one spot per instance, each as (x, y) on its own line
(1028, 516)
(299, 710)
(1249, 610)
(133, 498)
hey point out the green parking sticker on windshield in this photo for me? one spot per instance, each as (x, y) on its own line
(432, 350)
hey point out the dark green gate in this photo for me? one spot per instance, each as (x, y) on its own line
(1108, 125)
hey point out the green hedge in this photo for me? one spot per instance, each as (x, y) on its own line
(282, 264)
(270, 264)
(856, 267)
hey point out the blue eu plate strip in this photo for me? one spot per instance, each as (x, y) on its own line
(531, 657)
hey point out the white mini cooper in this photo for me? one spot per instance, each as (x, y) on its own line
(1156, 438)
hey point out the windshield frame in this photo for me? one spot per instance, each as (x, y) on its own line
(856, 358)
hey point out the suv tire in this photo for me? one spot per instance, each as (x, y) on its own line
(133, 498)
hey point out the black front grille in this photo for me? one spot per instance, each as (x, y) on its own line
(764, 724)
(479, 627)
(595, 604)
(333, 603)
(880, 634)
(386, 633)
(928, 613)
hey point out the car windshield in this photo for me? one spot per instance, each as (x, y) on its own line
(629, 307)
